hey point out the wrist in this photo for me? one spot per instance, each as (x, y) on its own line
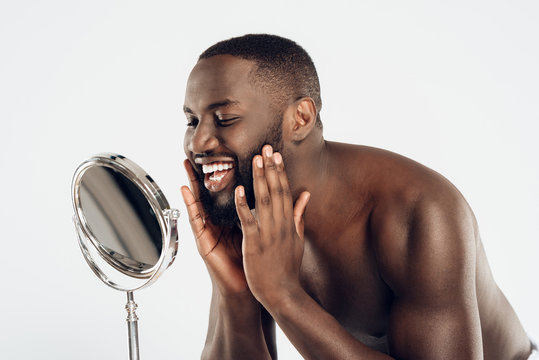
(240, 300)
(239, 309)
(285, 301)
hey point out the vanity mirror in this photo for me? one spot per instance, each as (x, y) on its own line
(126, 229)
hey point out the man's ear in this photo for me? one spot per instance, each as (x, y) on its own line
(301, 119)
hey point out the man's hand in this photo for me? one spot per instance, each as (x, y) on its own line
(238, 329)
(273, 241)
(218, 246)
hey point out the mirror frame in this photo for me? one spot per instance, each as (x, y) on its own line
(167, 219)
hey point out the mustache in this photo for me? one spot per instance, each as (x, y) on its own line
(215, 154)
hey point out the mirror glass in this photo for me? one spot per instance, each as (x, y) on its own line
(126, 229)
(119, 216)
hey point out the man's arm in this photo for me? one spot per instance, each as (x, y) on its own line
(239, 328)
(431, 270)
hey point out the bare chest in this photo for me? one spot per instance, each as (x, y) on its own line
(342, 278)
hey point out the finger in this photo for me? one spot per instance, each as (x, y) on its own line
(285, 188)
(193, 183)
(195, 218)
(262, 196)
(205, 240)
(248, 222)
(273, 183)
(299, 210)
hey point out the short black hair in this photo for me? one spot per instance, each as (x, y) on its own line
(284, 69)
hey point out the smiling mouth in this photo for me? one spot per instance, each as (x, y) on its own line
(218, 175)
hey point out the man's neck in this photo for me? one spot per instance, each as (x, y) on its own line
(308, 171)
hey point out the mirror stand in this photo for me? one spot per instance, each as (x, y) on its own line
(132, 326)
(125, 227)
(121, 282)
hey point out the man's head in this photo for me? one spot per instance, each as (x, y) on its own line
(237, 97)
(284, 70)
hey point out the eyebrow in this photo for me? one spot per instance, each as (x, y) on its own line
(213, 106)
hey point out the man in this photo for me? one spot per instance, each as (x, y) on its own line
(355, 252)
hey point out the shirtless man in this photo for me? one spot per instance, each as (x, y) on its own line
(355, 252)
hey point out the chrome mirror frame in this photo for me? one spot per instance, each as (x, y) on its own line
(167, 219)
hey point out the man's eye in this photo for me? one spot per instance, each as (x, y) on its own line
(226, 121)
(192, 122)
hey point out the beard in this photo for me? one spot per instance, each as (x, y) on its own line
(224, 213)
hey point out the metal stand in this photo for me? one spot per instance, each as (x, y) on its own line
(132, 326)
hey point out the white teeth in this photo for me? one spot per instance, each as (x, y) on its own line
(206, 169)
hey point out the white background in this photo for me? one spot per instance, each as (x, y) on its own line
(453, 84)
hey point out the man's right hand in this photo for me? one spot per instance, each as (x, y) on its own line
(238, 328)
(219, 246)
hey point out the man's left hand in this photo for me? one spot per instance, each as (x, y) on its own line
(273, 240)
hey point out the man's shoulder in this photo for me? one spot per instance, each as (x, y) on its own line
(394, 182)
(399, 189)
(412, 205)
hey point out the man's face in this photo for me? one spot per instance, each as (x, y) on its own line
(228, 121)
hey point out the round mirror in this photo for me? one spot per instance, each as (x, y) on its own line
(122, 215)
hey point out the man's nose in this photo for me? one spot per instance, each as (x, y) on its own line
(204, 138)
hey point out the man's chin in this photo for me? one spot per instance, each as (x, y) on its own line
(220, 208)
(223, 199)
(223, 215)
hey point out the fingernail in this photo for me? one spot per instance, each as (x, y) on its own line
(241, 193)
(259, 162)
(277, 158)
(268, 151)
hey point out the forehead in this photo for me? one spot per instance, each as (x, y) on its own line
(219, 78)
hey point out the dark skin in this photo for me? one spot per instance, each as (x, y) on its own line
(355, 252)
